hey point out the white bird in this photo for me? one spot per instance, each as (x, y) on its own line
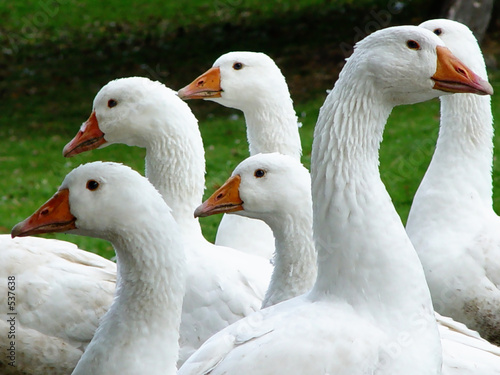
(370, 310)
(252, 83)
(223, 284)
(452, 223)
(58, 293)
(274, 188)
(139, 334)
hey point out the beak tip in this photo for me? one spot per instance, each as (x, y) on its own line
(16, 230)
(199, 211)
(489, 89)
(182, 94)
(66, 152)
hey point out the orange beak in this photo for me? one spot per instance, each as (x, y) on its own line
(54, 216)
(225, 199)
(205, 86)
(89, 137)
(453, 76)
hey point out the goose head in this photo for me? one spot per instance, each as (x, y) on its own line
(461, 41)
(410, 54)
(129, 111)
(238, 80)
(263, 186)
(90, 201)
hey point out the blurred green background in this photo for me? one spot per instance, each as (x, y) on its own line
(56, 54)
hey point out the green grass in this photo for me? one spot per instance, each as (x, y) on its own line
(35, 16)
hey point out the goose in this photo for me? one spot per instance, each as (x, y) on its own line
(223, 284)
(369, 310)
(139, 334)
(276, 188)
(451, 221)
(256, 190)
(251, 82)
(59, 293)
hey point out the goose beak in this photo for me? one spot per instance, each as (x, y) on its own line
(453, 76)
(89, 137)
(225, 199)
(205, 86)
(54, 216)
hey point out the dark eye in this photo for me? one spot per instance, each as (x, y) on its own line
(438, 31)
(237, 66)
(412, 44)
(259, 173)
(92, 185)
(112, 103)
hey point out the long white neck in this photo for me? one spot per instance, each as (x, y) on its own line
(295, 257)
(175, 165)
(140, 332)
(364, 254)
(272, 127)
(460, 170)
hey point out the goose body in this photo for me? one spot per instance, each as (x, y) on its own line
(251, 82)
(274, 188)
(140, 331)
(281, 195)
(223, 284)
(369, 310)
(60, 293)
(451, 222)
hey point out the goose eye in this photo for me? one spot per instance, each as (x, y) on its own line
(112, 103)
(413, 45)
(259, 173)
(92, 185)
(438, 31)
(237, 66)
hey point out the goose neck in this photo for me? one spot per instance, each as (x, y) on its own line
(364, 254)
(294, 260)
(176, 168)
(149, 294)
(464, 149)
(273, 127)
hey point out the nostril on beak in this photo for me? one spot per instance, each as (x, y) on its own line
(219, 196)
(200, 83)
(44, 212)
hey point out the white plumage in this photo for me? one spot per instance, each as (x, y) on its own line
(451, 222)
(60, 294)
(370, 309)
(223, 284)
(282, 197)
(274, 188)
(252, 83)
(140, 332)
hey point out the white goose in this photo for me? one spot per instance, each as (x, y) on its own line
(274, 188)
(59, 294)
(140, 332)
(451, 222)
(223, 284)
(370, 310)
(252, 83)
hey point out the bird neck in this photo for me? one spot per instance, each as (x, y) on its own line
(295, 257)
(142, 324)
(364, 254)
(272, 127)
(175, 165)
(460, 170)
